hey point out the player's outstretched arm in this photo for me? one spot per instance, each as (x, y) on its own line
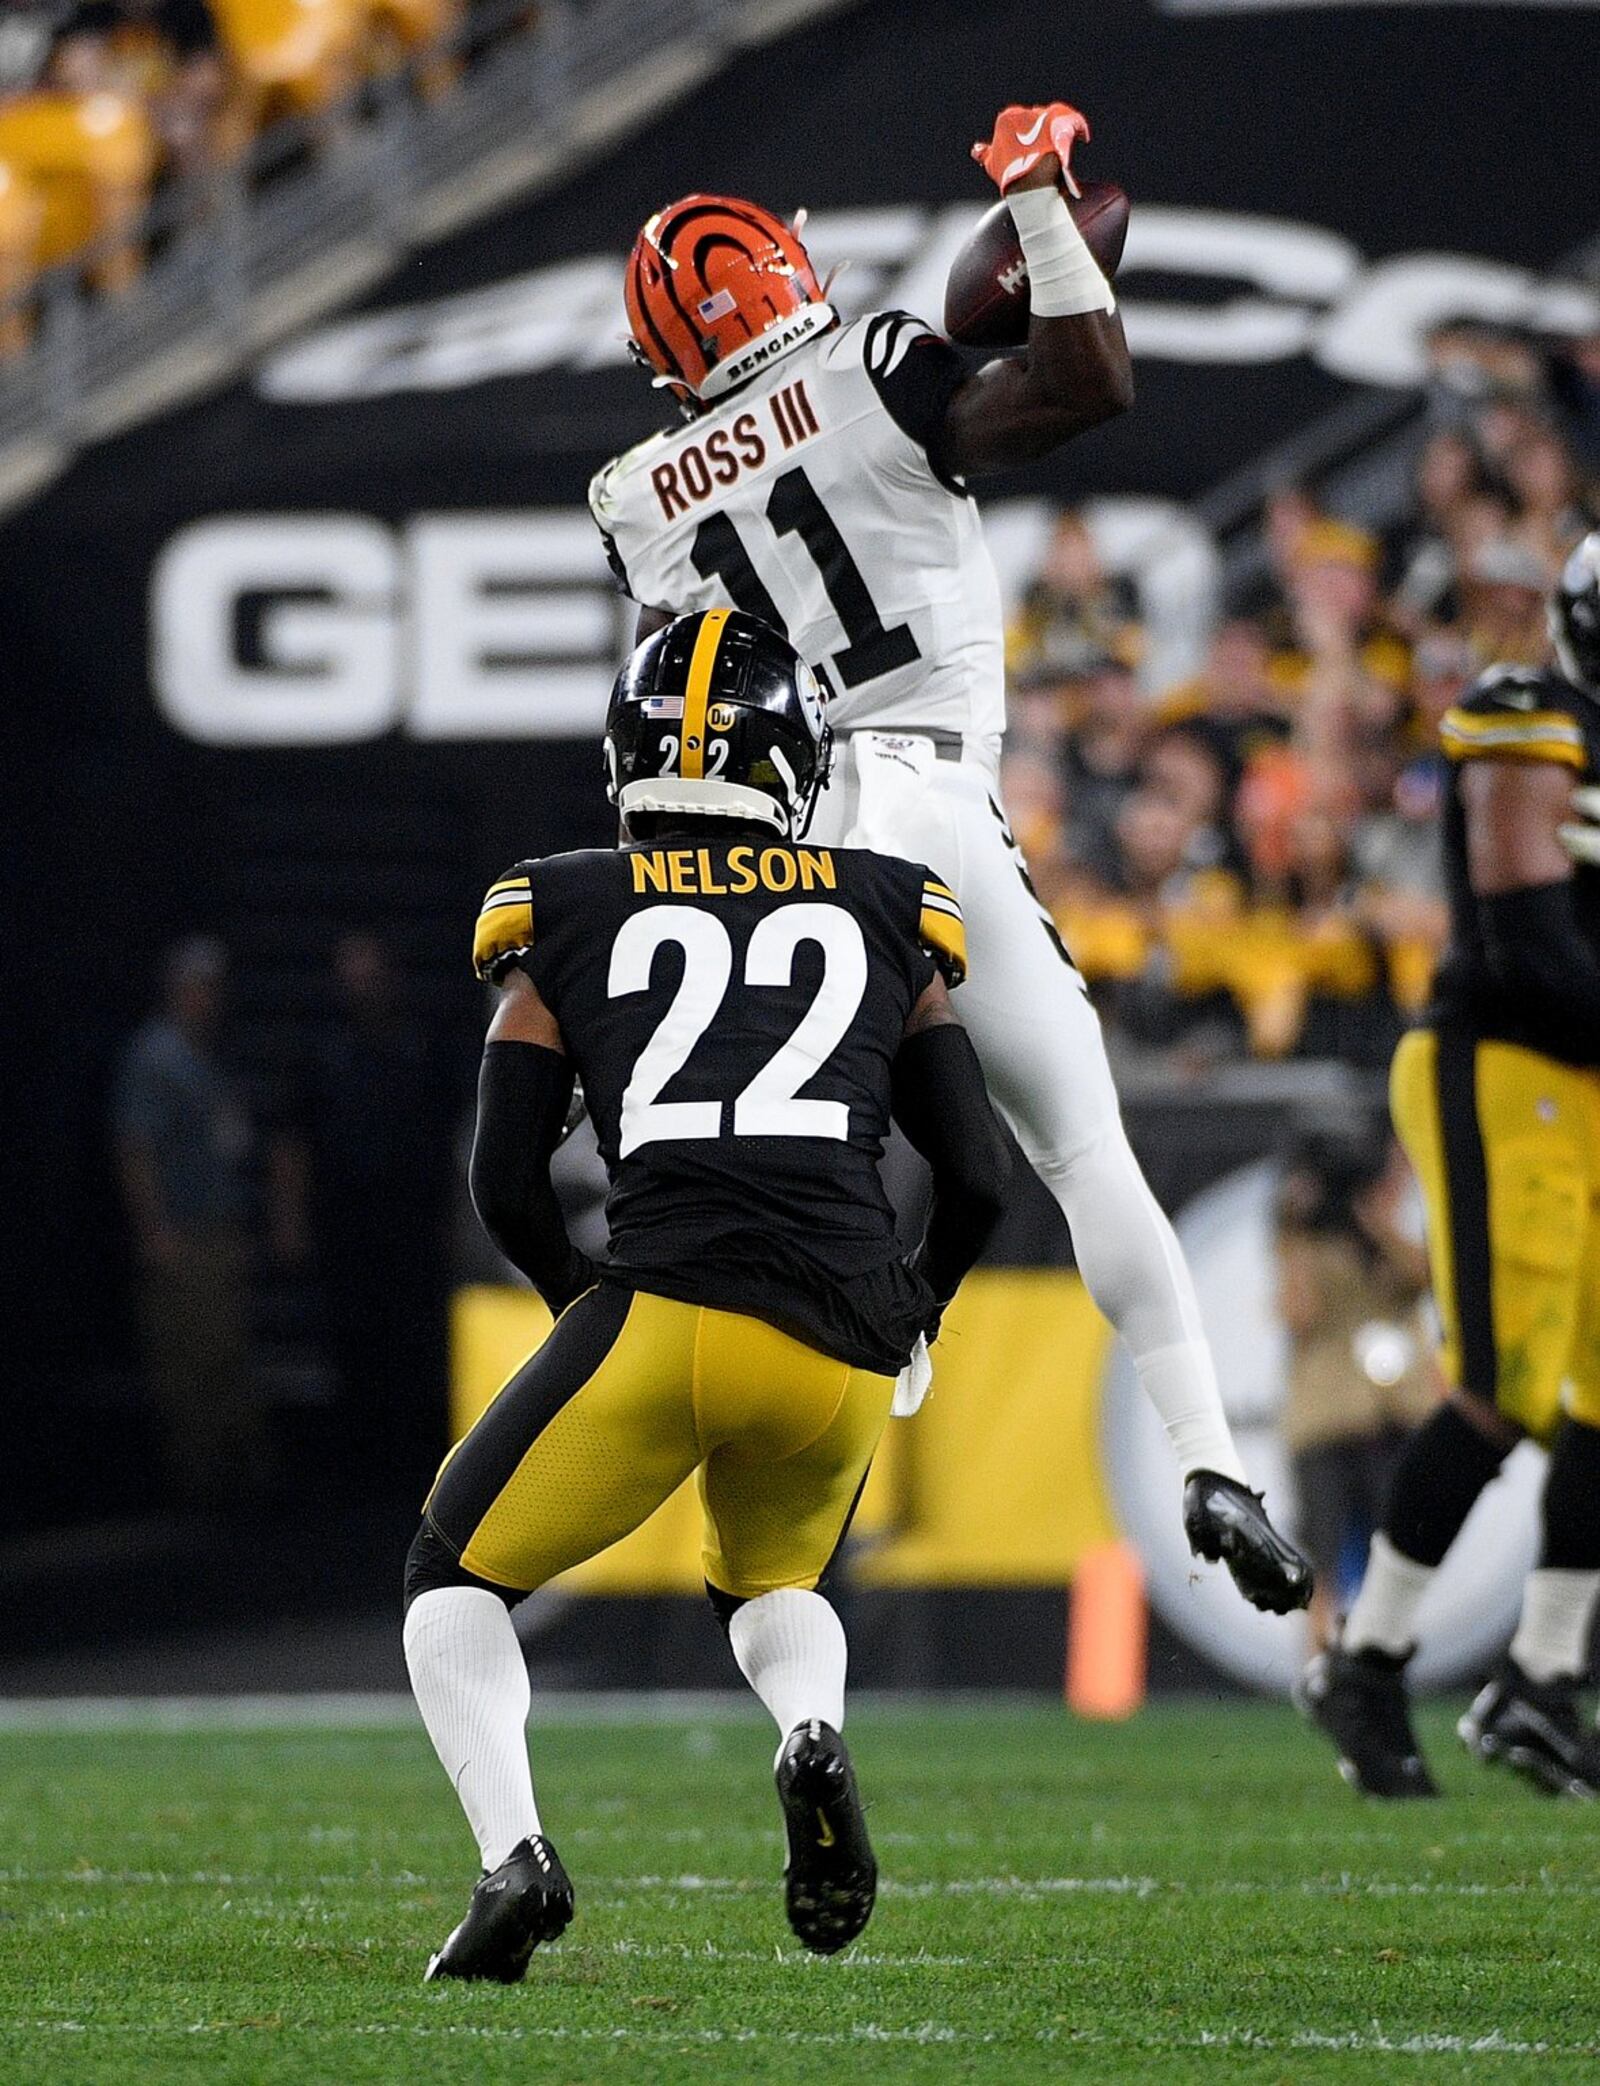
(1075, 370)
(524, 1091)
(941, 1103)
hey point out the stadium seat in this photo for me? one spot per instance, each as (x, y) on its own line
(92, 159)
(402, 29)
(21, 222)
(402, 32)
(293, 57)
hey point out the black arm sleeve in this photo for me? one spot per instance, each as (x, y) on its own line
(915, 372)
(942, 1105)
(1537, 952)
(523, 1094)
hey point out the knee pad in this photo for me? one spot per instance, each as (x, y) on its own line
(431, 1563)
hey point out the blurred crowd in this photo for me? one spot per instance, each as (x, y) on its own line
(104, 103)
(287, 1213)
(1248, 862)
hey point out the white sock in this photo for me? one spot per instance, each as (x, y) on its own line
(790, 1647)
(1383, 1616)
(471, 1684)
(1181, 1383)
(1552, 1640)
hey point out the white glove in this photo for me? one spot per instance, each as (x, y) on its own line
(914, 1382)
(1580, 836)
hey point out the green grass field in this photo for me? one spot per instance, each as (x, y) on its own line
(1192, 1897)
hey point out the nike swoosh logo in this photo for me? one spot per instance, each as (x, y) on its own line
(1026, 137)
(825, 1836)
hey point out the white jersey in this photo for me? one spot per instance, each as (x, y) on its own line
(810, 498)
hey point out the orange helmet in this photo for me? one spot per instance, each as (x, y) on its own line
(716, 289)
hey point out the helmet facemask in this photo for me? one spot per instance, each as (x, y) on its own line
(1575, 617)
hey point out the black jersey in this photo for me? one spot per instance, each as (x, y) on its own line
(1523, 714)
(733, 1009)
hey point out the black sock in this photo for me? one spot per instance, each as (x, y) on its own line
(1446, 1464)
(1572, 1500)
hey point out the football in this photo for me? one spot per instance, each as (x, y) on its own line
(986, 297)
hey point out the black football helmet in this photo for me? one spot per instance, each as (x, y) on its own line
(717, 716)
(1575, 616)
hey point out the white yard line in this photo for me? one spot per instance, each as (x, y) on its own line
(384, 1710)
(348, 1712)
(1369, 2040)
(605, 1889)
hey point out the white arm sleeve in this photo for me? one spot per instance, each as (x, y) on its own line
(1134, 1269)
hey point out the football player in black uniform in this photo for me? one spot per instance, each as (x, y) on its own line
(1497, 1101)
(744, 1012)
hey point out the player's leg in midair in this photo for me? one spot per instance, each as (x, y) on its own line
(582, 1445)
(795, 1432)
(1039, 1041)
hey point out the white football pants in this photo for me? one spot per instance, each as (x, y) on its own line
(1024, 1004)
(1039, 1042)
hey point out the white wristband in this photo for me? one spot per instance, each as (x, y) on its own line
(1064, 279)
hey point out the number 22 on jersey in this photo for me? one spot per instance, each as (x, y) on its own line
(770, 1103)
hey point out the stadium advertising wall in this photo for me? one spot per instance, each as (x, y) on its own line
(333, 645)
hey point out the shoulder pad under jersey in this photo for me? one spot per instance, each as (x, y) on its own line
(505, 924)
(941, 928)
(1515, 713)
(607, 485)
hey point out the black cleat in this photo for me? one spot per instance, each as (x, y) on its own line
(831, 1878)
(1535, 1726)
(1359, 1698)
(528, 1899)
(1226, 1520)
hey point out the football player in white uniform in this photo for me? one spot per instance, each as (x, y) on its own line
(820, 483)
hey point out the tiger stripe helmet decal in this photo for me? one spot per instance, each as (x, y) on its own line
(942, 930)
(709, 278)
(505, 925)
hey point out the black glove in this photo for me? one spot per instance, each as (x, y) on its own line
(1224, 1519)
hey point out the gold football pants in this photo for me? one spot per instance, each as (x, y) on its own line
(1506, 1145)
(628, 1396)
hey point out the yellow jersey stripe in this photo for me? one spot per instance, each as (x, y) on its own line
(692, 741)
(503, 929)
(1539, 735)
(939, 890)
(1475, 722)
(946, 937)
